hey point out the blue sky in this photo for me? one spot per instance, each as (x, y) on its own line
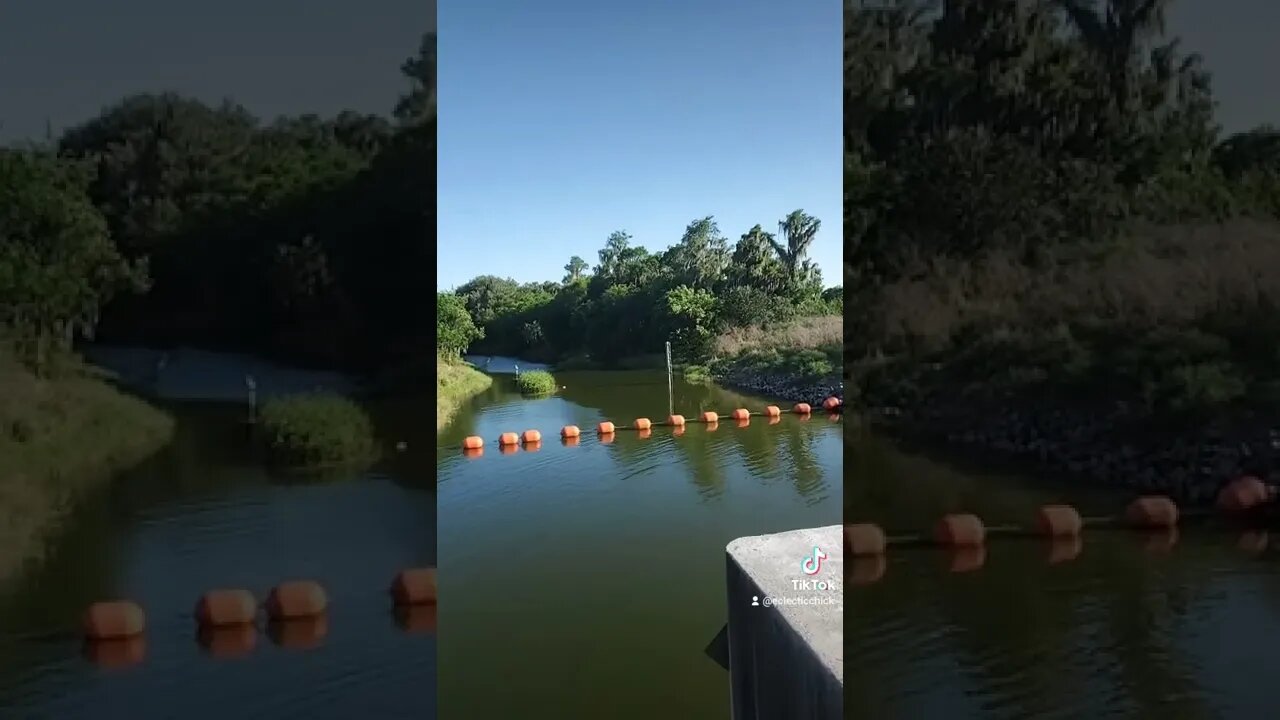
(562, 121)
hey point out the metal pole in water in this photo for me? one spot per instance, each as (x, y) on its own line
(671, 398)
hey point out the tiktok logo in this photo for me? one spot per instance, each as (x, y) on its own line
(812, 565)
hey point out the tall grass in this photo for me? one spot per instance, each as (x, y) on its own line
(60, 437)
(316, 430)
(536, 382)
(456, 382)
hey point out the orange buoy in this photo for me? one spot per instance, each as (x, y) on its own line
(864, 539)
(831, 403)
(296, 599)
(967, 558)
(775, 420)
(960, 530)
(678, 431)
(644, 434)
(642, 424)
(802, 409)
(531, 436)
(1243, 494)
(473, 452)
(508, 438)
(570, 441)
(416, 619)
(117, 653)
(570, 431)
(710, 416)
(226, 607)
(607, 438)
(1151, 512)
(1064, 548)
(228, 641)
(742, 414)
(868, 569)
(1058, 521)
(473, 442)
(773, 411)
(414, 586)
(114, 620)
(300, 633)
(605, 428)
(743, 422)
(675, 420)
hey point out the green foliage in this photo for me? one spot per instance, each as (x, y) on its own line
(58, 267)
(316, 430)
(536, 382)
(454, 329)
(634, 301)
(305, 237)
(1036, 196)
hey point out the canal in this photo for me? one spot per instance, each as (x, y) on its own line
(1132, 627)
(586, 580)
(205, 514)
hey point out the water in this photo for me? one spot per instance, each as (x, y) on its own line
(587, 580)
(1133, 627)
(202, 515)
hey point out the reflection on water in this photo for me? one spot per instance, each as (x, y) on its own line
(1119, 625)
(204, 515)
(600, 565)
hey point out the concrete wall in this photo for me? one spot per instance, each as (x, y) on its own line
(786, 661)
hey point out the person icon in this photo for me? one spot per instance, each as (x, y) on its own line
(755, 601)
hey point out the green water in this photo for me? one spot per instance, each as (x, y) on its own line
(586, 580)
(1133, 627)
(202, 515)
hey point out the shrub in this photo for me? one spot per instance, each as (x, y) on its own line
(536, 382)
(316, 430)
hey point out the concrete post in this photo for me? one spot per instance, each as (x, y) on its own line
(786, 625)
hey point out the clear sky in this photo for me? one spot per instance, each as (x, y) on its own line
(562, 121)
(66, 59)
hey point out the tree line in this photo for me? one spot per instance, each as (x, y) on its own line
(167, 220)
(1037, 193)
(633, 300)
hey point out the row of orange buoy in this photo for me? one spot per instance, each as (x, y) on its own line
(237, 641)
(965, 534)
(235, 611)
(473, 445)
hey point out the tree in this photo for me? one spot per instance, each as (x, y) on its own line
(574, 269)
(455, 331)
(58, 266)
(419, 105)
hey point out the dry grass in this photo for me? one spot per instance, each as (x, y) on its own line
(817, 332)
(1164, 277)
(58, 439)
(456, 382)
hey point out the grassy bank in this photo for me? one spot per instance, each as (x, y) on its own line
(456, 382)
(59, 438)
(316, 431)
(800, 360)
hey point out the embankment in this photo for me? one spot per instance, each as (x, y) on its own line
(798, 362)
(60, 438)
(1109, 443)
(456, 382)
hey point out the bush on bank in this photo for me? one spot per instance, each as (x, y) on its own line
(536, 382)
(316, 430)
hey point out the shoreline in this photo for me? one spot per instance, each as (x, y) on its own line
(64, 438)
(783, 387)
(456, 383)
(1110, 447)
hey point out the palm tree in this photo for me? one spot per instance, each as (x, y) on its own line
(797, 230)
(1115, 34)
